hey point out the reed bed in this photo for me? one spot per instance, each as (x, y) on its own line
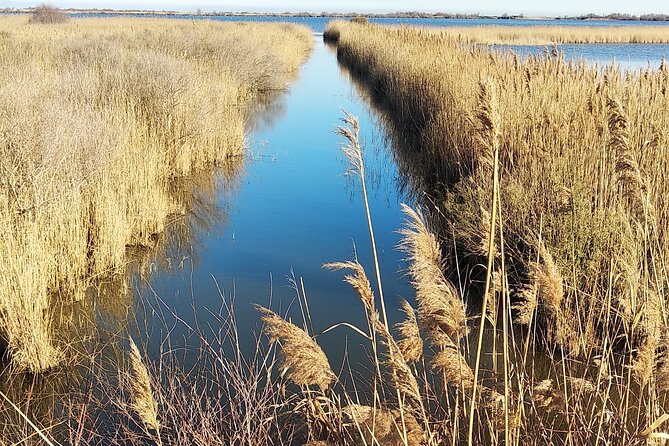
(99, 118)
(549, 35)
(545, 182)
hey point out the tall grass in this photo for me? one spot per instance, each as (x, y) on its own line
(99, 118)
(545, 180)
(549, 35)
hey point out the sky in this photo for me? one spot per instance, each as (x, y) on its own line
(527, 7)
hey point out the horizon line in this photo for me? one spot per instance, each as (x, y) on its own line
(324, 13)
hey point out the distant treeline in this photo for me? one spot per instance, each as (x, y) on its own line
(390, 15)
(406, 14)
(618, 16)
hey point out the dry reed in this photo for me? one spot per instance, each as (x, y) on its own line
(410, 343)
(141, 393)
(439, 308)
(389, 427)
(303, 361)
(550, 35)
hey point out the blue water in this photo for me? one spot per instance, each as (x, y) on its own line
(629, 56)
(293, 210)
(317, 24)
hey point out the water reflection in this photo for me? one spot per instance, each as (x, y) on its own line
(420, 173)
(266, 111)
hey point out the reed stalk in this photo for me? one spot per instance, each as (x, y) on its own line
(353, 153)
(489, 120)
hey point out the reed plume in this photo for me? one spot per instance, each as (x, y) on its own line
(550, 295)
(410, 342)
(526, 304)
(439, 307)
(548, 281)
(142, 400)
(488, 123)
(353, 152)
(581, 386)
(628, 175)
(545, 292)
(303, 360)
(494, 292)
(402, 377)
(646, 359)
(360, 283)
(545, 395)
(453, 366)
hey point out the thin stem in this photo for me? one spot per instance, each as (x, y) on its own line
(25, 417)
(372, 241)
(491, 247)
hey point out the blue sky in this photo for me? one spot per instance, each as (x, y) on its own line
(527, 7)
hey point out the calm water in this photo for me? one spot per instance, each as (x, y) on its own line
(292, 211)
(629, 56)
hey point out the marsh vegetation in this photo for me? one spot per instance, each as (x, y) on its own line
(536, 246)
(555, 35)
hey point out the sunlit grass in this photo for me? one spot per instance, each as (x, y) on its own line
(549, 35)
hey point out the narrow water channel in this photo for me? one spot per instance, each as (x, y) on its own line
(289, 210)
